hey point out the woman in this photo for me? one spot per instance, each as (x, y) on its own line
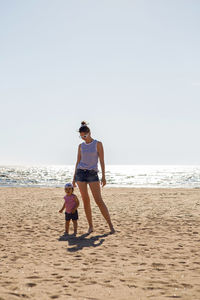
(86, 173)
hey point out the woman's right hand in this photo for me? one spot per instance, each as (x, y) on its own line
(74, 183)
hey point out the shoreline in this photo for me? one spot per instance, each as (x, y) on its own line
(105, 187)
(154, 252)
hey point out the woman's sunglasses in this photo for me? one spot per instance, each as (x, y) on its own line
(83, 136)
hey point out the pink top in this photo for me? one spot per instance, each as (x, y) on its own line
(70, 203)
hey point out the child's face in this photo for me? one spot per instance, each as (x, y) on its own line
(68, 191)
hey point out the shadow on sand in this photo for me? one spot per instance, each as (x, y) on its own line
(82, 241)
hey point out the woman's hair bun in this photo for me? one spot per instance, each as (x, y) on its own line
(84, 127)
(84, 123)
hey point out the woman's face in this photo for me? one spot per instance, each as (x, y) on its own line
(84, 135)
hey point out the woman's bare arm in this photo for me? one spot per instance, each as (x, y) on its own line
(102, 163)
(77, 162)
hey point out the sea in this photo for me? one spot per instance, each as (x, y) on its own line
(138, 176)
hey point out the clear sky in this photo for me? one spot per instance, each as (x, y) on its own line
(129, 68)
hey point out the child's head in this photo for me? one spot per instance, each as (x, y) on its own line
(69, 188)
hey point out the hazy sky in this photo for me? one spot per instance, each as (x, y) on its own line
(129, 68)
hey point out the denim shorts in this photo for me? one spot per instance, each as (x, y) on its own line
(71, 216)
(85, 175)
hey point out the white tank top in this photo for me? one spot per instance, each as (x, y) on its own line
(89, 156)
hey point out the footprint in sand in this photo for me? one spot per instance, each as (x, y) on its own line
(156, 265)
(31, 284)
(174, 297)
(187, 285)
(19, 295)
(71, 281)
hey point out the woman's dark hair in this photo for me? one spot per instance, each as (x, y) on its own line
(84, 127)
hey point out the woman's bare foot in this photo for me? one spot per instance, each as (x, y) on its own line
(90, 230)
(112, 230)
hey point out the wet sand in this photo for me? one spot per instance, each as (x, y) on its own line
(154, 253)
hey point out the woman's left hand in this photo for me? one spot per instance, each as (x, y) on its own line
(103, 181)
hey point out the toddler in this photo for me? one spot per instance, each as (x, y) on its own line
(70, 205)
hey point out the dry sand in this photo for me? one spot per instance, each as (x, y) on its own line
(155, 253)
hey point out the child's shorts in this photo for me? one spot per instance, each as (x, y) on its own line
(71, 216)
(84, 175)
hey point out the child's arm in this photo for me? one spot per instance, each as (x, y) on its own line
(60, 211)
(77, 204)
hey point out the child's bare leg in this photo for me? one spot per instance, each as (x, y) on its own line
(67, 227)
(75, 223)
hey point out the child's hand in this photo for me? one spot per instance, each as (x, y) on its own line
(73, 211)
(60, 211)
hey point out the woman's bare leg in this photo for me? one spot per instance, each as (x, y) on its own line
(96, 192)
(86, 202)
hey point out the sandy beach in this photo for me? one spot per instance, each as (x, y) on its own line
(154, 253)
